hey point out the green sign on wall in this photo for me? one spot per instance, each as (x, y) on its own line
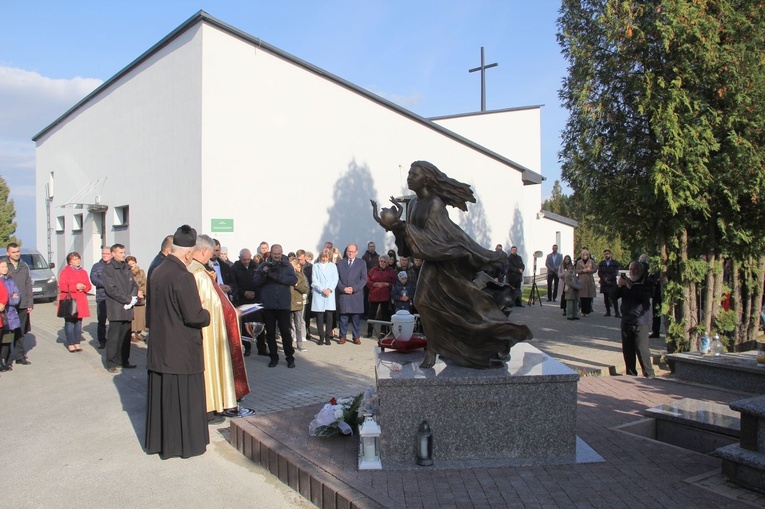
(222, 225)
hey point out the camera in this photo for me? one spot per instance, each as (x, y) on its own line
(623, 275)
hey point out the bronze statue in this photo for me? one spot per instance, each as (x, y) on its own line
(459, 307)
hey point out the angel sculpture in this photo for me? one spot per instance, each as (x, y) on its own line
(458, 303)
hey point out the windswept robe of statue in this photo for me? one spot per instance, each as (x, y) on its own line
(461, 321)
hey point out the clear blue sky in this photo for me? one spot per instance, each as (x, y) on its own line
(414, 52)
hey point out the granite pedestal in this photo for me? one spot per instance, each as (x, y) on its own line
(522, 414)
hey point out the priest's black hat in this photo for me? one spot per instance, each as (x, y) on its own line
(185, 236)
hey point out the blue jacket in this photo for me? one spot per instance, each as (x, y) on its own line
(96, 277)
(276, 285)
(324, 276)
(398, 288)
(13, 302)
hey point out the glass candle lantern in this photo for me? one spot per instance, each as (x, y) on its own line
(369, 444)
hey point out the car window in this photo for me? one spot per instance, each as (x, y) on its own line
(35, 261)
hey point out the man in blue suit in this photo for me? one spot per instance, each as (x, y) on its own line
(352, 278)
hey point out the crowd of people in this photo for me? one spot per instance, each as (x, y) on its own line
(188, 300)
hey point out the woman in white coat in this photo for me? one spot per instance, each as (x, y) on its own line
(323, 285)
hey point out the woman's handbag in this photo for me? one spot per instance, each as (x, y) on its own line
(67, 307)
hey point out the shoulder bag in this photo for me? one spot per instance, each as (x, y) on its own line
(67, 307)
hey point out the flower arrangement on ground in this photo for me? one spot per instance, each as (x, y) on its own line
(337, 417)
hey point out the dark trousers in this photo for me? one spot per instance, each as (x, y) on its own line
(515, 282)
(5, 347)
(609, 302)
(355, 324)
(552, 285)
(367, 311)
(101, 314)
(656, 325)
(19, 351)
(378, 311)
(635, 343)
(118, 343)
(330, 321)
(307, 315)
(586, 305)
(321, 318)
(280, 318)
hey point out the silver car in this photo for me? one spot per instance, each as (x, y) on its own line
(44, 284)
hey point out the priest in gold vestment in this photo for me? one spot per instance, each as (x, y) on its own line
(220, 392)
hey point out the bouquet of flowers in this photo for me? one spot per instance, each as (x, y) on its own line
(336, 417)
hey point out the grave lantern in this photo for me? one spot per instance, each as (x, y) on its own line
(424, 445)
(369, 444)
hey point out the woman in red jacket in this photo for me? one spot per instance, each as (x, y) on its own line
(380, 281)
(74, 280)
(6, 334)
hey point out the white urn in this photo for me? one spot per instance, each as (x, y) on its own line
(403, 325)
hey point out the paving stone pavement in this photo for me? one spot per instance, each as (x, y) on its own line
(77, 444)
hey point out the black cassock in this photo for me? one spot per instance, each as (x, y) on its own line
(176, 416)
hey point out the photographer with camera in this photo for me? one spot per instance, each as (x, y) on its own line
(275, 278)
(635, 290)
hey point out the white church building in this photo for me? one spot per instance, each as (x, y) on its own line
(215, 128)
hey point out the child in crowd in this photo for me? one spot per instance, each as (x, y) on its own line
(403, 293)
(571, 293)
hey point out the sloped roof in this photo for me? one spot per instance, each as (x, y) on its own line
(529, 176)
(560, 219)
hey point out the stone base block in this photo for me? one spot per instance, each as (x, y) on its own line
(525, 412)
(743, 467)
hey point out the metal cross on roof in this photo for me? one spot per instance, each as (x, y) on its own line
(483, 79)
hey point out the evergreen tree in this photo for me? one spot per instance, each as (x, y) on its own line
(665, 141)
(7, 215)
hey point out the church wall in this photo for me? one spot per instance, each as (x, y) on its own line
(215, 127)
(142, 135)
(515, 134)
(294, 158)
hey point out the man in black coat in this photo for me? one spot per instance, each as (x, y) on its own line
(176, 413)
(515, 268)
(608, 272)
(96, 273)
(19, 272)
(243, 271)
(164, 250)
(275, 278)
(122, 293)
